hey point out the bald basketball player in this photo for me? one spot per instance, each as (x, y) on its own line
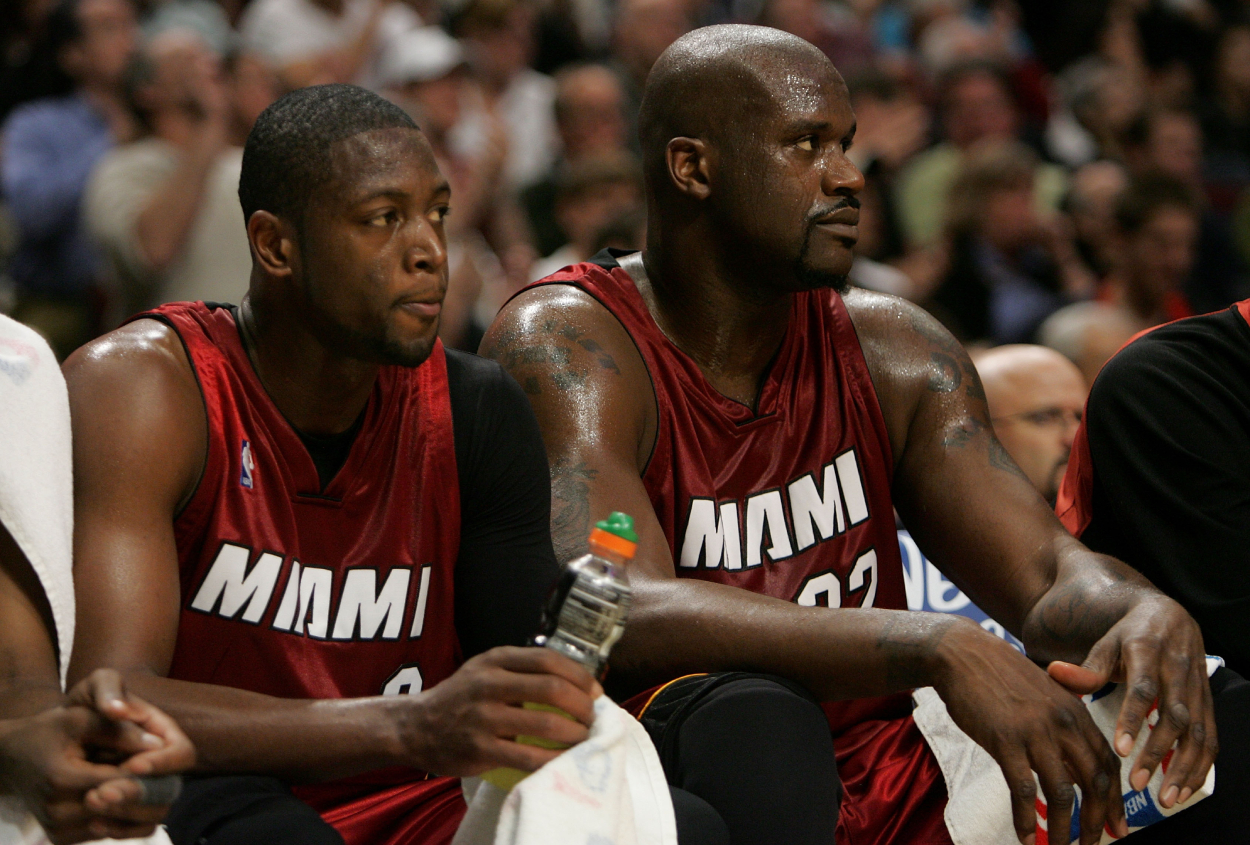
(1035, 397)
(761, 420)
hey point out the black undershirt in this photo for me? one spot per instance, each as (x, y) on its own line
(506, 564)
(1169, 436)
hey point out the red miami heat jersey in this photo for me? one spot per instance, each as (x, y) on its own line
(298, 592)
(791, 499)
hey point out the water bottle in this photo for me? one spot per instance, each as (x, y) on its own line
(584, 616)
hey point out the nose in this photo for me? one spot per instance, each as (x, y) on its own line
(427, 253)
(1071, 422)
(842, 177)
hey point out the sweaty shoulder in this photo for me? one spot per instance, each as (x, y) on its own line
(134, 396)
(911, 356)
(571, 355)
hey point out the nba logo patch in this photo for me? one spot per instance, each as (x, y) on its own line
(248, 467)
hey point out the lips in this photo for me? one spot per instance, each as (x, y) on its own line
(422, 307)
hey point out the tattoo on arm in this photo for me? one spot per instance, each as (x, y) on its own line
(1079, 612)
(570, 508)
(546, 356)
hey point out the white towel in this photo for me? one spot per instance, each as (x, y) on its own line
(36, 481)
(608, 790)
(979, 809)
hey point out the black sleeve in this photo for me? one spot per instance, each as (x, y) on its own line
(1169, 436)
(506, 563)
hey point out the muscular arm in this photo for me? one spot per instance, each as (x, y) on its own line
(139, 447)
(29, 682)
(595, 406)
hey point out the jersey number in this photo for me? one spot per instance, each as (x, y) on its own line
(825, 589)
(406, 680)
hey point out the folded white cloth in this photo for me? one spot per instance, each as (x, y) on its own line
(36, 481)
(608, 790)
(978, 811)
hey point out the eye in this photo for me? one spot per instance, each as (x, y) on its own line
(383, 218)
(439, 213)
(807, 143)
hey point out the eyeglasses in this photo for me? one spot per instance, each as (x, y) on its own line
(1044, 418)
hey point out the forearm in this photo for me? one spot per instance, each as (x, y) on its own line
(1091, 592)
(678, 627)
(163, 226)
(26, 696)
(297, 740)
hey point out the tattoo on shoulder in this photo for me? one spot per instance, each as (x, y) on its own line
(952, 366)
(546, 356)
(570, 508)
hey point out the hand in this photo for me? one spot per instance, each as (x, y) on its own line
(1157, 649)
(1028, 723)
(468, 724)
(46, 760)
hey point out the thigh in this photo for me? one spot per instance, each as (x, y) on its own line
(757, 749)
(244, 810)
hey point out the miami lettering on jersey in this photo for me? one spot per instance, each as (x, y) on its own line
(235, 591)
(818, 512)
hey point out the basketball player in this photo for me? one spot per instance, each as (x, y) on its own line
(727, 388)
(297, 518)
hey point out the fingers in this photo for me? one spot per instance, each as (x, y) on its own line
(168, 748)
(543, 661)
(1141, 692)
(123, 800)
(1193, 721)
(102, 691)
(543, 677)
(1095, 768)
(1080, 680)
(1058, 789)
(1023, 789)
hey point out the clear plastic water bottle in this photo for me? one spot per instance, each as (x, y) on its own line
(584, 615)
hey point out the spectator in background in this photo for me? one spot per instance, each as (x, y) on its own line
(1170, 141)
(590, 118)
(642, 30)
(1157, 220)
(315, 41)
(1009, 268)
(165, 208)
(1087, 334)
(28, 68)
(592, 193)
(977, 105)
(1035, 398)
(50, 147)
(1091, 202)
(498, 37)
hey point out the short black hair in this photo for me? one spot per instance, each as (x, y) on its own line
(287, 153)
(1147, 195)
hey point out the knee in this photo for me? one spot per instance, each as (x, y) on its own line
(765, 708)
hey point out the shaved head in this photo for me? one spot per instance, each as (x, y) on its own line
(1036, 397)
(717, 82)
(744, 133)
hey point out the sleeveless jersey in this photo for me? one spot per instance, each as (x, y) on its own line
(791, 499)
(298, 592)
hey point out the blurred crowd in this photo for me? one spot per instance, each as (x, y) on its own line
(1066, 172)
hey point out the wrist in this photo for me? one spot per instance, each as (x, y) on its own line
(401, 717)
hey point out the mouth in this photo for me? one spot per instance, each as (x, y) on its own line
(427, 307)
(842, 223)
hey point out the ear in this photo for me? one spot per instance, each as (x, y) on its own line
(273, 243)
(690, 166)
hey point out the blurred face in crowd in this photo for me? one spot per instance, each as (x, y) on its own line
(1009, 221)
(1233, 64)
(436, 102)
(979, 107)
(253, 87)
(1159, 257)
(1095, 188)
(108, 38)
(499, 52)
(583, 215)
(645, 29)
(1175, 146)
(372, 256)
(181, 68)
(1036, 398)
(590, 112)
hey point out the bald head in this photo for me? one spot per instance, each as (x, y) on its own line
(718, 82)
(1036, 397)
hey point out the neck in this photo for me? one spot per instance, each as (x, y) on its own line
(317, 390)
(718, 319)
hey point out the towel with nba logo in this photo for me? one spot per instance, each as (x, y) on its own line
(978, 811)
